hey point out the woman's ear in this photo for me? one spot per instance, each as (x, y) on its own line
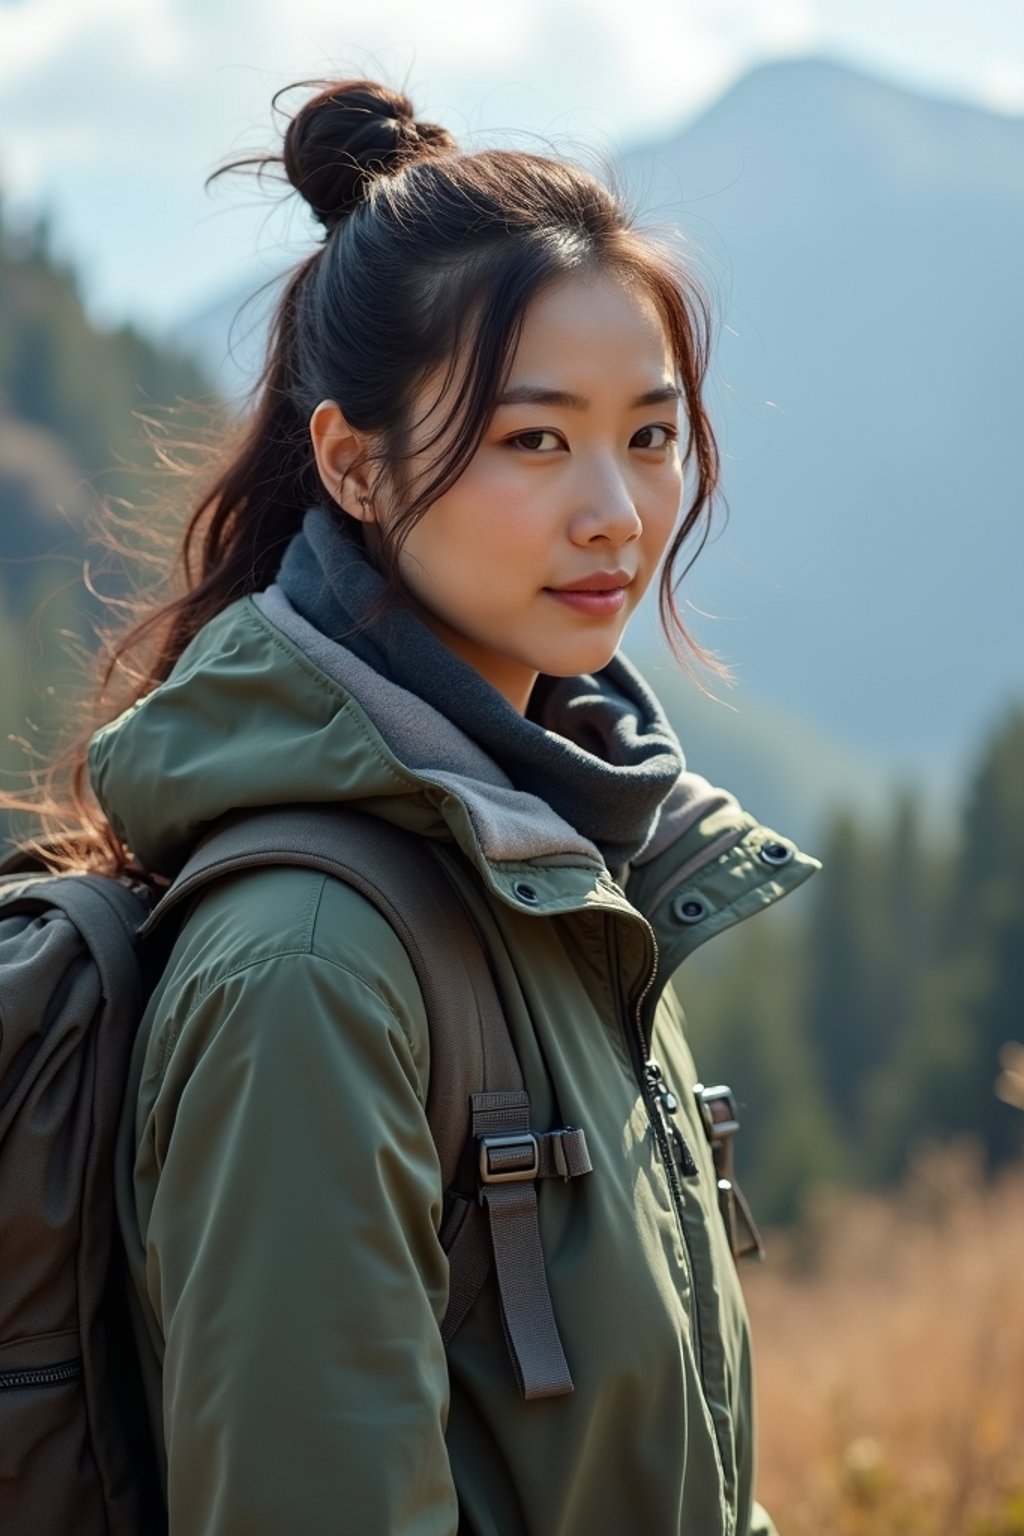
(340, 457)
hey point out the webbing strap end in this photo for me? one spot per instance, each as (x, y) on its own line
(527, 1314)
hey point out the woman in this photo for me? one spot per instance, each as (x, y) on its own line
(479, 418)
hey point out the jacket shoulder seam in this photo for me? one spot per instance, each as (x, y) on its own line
(283, 953)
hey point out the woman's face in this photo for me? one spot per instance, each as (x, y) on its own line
(537, 556)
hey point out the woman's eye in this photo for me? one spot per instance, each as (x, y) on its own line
(653, 437)
(537, 442)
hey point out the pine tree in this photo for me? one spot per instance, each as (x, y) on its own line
(842, 1003)
(971, 1001)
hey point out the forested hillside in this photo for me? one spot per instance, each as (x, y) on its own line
(72, 404)
(887, 1008)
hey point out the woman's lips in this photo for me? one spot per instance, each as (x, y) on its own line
(598, 603)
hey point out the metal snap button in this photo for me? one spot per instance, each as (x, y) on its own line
(690, 909)
(775, 853)
(526, 892)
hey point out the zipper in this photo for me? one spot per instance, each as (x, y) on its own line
(660, 1095)
(655, 1099)
(668, 1106)
(43, 1376)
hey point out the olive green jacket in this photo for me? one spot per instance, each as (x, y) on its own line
(278, 1188)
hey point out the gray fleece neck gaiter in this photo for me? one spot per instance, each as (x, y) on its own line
(597, 748)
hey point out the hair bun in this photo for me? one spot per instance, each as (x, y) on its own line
(347, 136)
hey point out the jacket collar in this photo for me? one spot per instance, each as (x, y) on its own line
(262, 710)
(703, 869)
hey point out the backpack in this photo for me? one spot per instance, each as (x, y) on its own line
(78, 956)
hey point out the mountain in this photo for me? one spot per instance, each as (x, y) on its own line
(863, 245)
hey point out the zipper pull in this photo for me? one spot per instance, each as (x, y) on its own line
(687, 1161)
(668, 1105)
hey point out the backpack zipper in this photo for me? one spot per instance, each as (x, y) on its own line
(42, 1376)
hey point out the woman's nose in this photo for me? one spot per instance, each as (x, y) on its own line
(607, 510)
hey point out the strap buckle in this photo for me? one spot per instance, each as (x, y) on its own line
(721, 1117)
(718, 1110)
(506, 1158)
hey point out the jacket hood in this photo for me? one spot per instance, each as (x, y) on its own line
(262, 710)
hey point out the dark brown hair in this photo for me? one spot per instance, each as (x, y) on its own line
(429, 256)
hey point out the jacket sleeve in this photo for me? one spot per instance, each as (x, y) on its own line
(293, 1264)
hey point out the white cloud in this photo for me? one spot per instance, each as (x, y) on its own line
(31, 34)
(35, 35)
(160, 74)
(1001, 86)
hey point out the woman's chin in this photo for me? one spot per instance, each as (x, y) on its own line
(577, 660)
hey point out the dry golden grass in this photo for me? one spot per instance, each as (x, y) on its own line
(889, 1335)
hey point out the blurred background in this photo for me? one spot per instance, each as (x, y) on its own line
(848, 180)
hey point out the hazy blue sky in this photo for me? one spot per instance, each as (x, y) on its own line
(113, 111)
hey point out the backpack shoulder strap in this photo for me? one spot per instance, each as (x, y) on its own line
(108, 914)
(393, 871)
(474, 1072)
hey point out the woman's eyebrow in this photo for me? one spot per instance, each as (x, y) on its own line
(663, 395)
(536, 394)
